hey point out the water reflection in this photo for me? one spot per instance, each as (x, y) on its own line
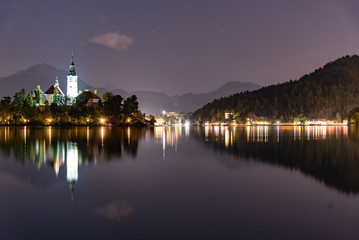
(169, 137)
(330, 154)
(215, 177)
(64, 149)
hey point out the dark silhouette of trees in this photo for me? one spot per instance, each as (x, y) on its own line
(329, 92)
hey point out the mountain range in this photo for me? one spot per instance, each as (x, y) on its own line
(149, 102)
(329, 92)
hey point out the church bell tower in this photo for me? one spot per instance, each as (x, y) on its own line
(72, 90)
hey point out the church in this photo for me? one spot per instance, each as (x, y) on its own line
(72, 85)
(72, 88)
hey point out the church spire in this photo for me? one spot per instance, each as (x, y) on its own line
(72, 71)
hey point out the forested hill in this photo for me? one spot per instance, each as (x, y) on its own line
(329, 92)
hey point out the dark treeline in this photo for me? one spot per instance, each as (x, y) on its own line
(31, 109)
(329, 92)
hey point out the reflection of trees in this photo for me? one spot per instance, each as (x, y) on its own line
(330, 158)
(39, 145)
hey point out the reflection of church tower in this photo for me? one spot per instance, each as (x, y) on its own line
(72, 162)
(72, 90)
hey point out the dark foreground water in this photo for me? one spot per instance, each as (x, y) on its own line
(179, 183)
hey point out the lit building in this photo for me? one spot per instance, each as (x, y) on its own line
(49, 94)
(72, 83)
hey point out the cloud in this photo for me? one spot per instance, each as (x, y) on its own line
(113, 40)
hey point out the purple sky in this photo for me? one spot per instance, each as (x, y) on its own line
(178, 46)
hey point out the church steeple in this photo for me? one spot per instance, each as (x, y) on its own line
(72, 71)
(72, 79)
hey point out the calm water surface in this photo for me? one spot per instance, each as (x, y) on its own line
(179, 183)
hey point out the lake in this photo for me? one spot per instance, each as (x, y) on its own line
(179, 183)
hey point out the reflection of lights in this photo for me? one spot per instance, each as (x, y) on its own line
(163, 144)
(128, 135)
(226, 138)
(102, 135)
(266, 134)
(168, 136)
(57, 167)
(278, 128)
(50, 134)
(187, 130)
(72, 162)
(216, 131)
(206, 131)
(25, 135)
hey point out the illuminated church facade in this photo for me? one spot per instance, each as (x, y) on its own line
(72, 89)
(72, 80)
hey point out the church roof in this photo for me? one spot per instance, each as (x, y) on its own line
(88, 95)
(51, 90)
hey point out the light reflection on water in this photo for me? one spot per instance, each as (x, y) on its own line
(129, 176)
(61, 146)
(262, 133)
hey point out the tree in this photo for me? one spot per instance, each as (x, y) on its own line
(5, 108)
(38, 96)
(353, 116)
(106, 96)
(329, 92)
(55, 97)
(152, 120)
(113, 107)
(130, 105)
(29, 100)
(19, 99)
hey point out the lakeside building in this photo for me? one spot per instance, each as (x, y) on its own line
(90, 98)
(49, 94)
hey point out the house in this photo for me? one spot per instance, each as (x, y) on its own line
(49, 94)
(88, 98)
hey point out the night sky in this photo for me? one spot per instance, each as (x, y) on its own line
(178, 46)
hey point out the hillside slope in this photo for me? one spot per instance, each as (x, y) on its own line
(40, 74)
(329, 92)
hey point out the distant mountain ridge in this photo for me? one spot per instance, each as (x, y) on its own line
(329, 92)
(149, 102)
(40, 74)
